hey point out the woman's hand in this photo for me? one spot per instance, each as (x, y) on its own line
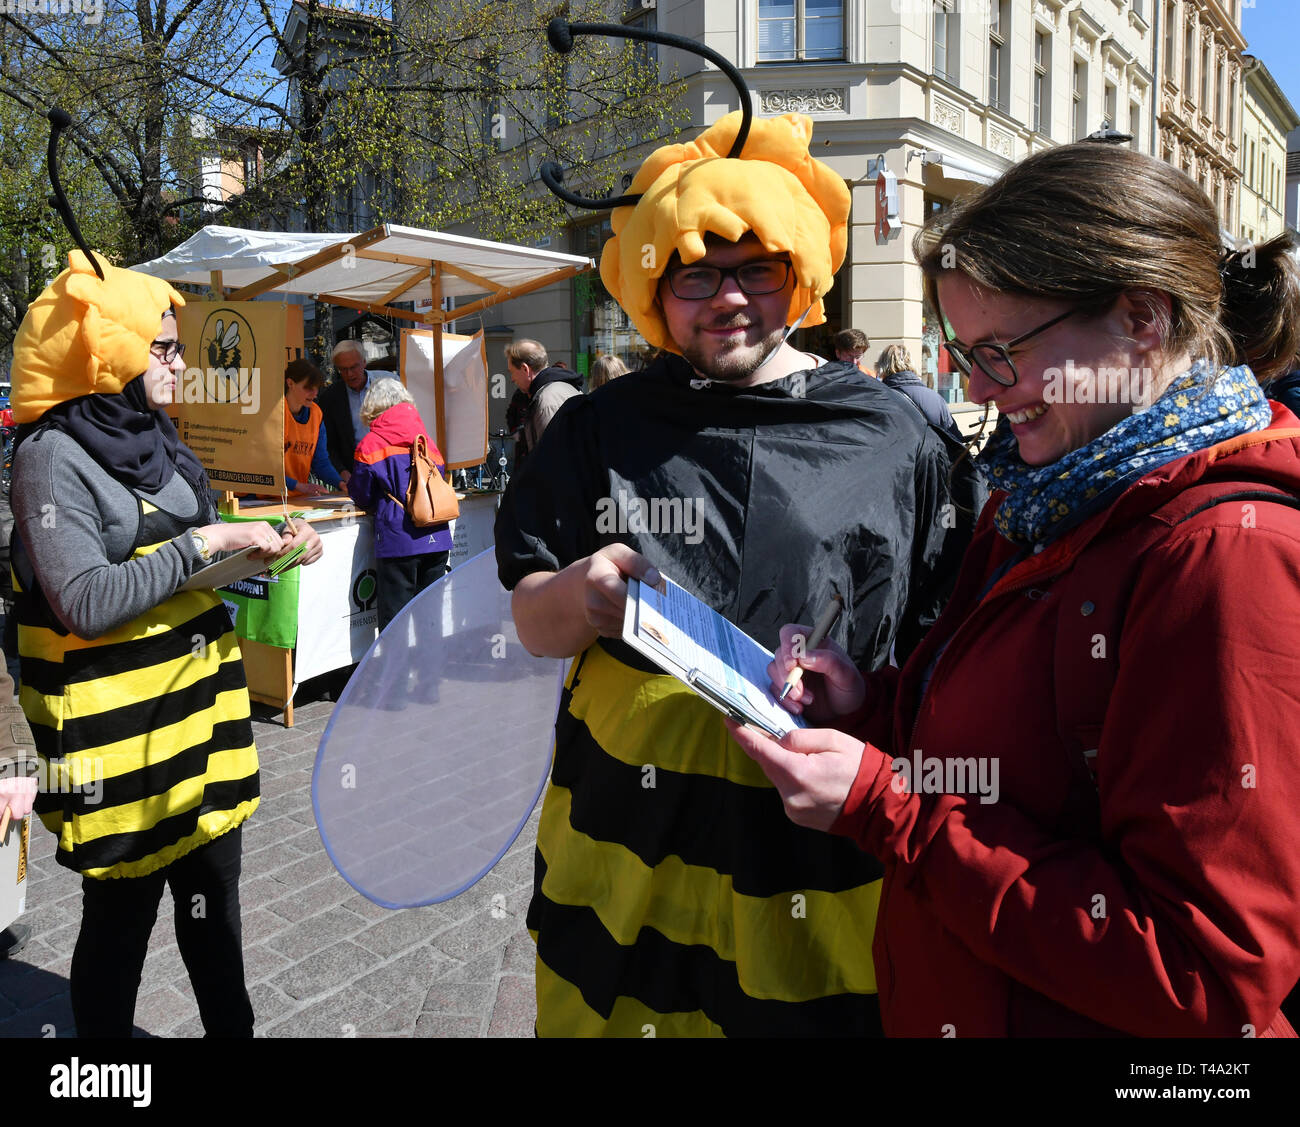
(18, 795)
(310, 489)
(831, 685)
(303, 534)
(237, 535)
(812, 769)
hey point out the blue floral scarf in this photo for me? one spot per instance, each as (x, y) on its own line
(1045, 501)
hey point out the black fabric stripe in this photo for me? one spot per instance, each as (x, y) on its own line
(669, 977)
(114, 849)
(45, 677)
(158, 778)
(139, 653)
(140, 718)
(737, 830)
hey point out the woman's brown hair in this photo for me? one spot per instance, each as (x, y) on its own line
(1084, 222)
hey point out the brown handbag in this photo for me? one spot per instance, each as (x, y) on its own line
(429, 499)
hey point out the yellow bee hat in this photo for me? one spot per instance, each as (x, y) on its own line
(774, 188)
(85, 335)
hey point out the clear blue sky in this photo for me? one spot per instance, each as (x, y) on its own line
(1270, 27)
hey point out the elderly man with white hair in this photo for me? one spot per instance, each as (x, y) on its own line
(340, 403)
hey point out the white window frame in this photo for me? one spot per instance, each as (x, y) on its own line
(800, 45)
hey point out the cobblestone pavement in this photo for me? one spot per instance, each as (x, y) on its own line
(320, 959)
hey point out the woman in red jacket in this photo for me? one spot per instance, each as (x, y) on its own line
(1084, 783)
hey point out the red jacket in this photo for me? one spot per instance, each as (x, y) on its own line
(1163, 898)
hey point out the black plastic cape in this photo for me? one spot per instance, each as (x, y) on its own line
(763, 502)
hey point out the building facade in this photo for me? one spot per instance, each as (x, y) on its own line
(1267, 118)
(944, 94)
(1199, 121)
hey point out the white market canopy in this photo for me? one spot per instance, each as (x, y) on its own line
(369, 271)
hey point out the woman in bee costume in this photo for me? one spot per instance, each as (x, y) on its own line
(134, 690)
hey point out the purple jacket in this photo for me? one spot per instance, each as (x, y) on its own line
(383, 466)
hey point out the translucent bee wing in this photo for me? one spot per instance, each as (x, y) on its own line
(216, 337)
(231, 337)
(439, 746)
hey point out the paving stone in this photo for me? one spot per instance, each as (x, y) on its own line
(302, 871)
(317, 932)
(324, 971)
(520, 956)
(261, 924)
(160, 1011)
(515, 1012)
(54, 1015)
(339, 1015)
(403, 929)
(441, 1025)
(482, 968)
(396, 1021)
(480, 932)
(459, 997)
(404, 977)
(269, 1004)
(261, 962)
(30, 986)
(327, 893)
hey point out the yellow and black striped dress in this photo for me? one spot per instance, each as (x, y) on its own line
(144, 732)
(673, 897)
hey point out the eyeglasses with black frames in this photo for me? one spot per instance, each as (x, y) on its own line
(994, 359)
(696, 283)
(167, 350)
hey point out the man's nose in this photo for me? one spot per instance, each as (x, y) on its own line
(729, 293)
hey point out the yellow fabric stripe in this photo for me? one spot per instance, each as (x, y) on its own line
(88, 698)
(121, 757)
(562, 1012)
(675, 729)
(222, 766)
(41, 642)
(783, 948)
(211, 825)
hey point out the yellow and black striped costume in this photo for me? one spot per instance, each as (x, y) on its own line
(673, 897)
(154, 714)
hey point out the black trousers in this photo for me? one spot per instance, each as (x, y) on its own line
(117, 919)
(401, 578)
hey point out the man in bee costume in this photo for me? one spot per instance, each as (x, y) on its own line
(672, 895)
(134, 688)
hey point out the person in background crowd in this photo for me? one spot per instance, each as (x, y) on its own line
(305, 440)
(850, 347)
(894, 369)
(604, 369)
(134, 689)
(1119, 852)
(408, 559)
(1286, 389)
(546, 386)
(340, 403)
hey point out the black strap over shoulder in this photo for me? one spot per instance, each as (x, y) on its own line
(1246, 495)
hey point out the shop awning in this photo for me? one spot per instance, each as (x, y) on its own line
(954, 166)
(370, 271)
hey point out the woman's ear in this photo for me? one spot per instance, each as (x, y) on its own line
(1147, 316)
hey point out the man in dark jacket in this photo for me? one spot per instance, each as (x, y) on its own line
(895, 370)
(671, 892)
(340, 404)
(546, 387)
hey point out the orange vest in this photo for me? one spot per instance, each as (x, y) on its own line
(300, 442)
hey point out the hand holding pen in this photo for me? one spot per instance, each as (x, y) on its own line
(836, 688)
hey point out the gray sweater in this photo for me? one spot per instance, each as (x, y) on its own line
(78, 526)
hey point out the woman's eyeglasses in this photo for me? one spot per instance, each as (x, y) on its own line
(695, 283)
(167, 350)
(994, 360)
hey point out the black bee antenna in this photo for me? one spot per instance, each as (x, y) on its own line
(59, 121)
(560, 33)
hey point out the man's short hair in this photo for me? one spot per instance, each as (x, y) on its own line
(348, 346)
(528, 352)
(850, 340)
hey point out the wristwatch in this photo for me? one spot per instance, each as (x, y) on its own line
(201, 546)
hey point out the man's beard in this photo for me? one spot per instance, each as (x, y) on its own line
(728, 362)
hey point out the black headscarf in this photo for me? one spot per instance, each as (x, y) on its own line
(135, 444)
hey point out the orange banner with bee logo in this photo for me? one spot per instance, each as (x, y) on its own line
(229, 404)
